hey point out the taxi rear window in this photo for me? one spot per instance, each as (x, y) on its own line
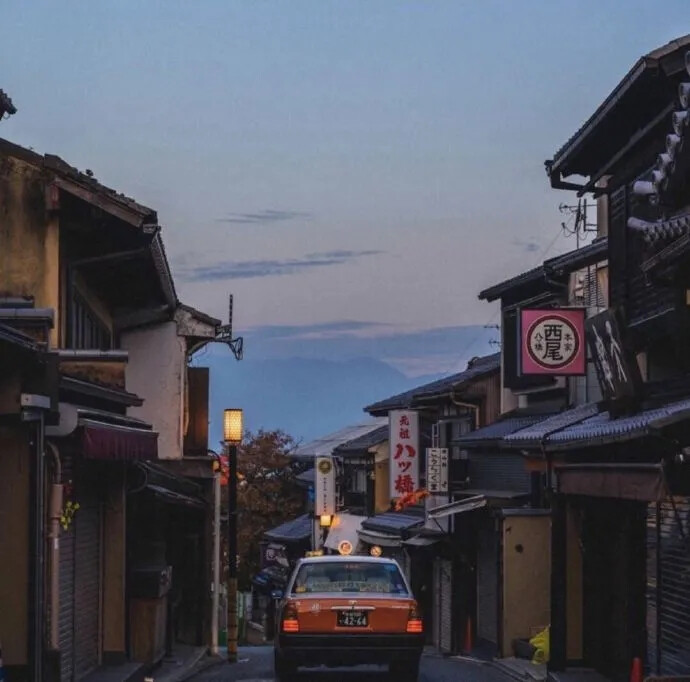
(339, 577)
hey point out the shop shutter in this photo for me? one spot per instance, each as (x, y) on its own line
(87, 580)
(436, 606)
(487, 581)
(66, 615)
(498, 472)
(446, 605)
(669, 592)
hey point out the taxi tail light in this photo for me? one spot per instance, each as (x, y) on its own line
(290, 621)
(414, 620)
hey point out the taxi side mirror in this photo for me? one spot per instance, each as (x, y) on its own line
(277, 594)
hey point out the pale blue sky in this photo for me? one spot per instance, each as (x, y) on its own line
(374, 161)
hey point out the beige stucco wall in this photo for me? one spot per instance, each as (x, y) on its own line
(14, 548)
(29, 240)
(156, 372)
(526, 577)
(382, 499)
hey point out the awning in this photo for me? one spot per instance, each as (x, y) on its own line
(491, 436)
(344, 529)
(373, 537)
(458, 507)
(173, 497)
(421, 541)
(104, 441)
(631, 482)
(296, 530)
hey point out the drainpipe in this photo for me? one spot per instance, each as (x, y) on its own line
(216, 563)
(469, 406)
(55, 511)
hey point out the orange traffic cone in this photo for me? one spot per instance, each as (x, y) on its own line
(469, 644)
(636, 670)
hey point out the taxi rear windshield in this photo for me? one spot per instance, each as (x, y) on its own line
(339, 577)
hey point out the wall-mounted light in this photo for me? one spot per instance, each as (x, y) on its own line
(232, 426)
(325, 520)
(375, 551)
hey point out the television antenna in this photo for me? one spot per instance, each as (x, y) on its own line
(225, 336)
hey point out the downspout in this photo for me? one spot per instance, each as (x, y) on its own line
(55, 511)
(469, 406)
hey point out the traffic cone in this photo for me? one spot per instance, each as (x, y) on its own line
(469, 644)
(636, 670)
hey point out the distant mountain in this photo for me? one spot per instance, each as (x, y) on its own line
(307, 398)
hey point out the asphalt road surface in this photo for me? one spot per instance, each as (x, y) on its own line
(256, 665)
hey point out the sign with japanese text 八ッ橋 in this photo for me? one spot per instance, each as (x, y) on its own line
(404, 452)
(553, 342)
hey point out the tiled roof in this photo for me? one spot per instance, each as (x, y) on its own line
(325, 445)
(306, 477)
(291, 531)
(553, 267)
(365, 441)
(475, 369)
(393, 522)
(492, 434)
(534, 435)
(601, 429)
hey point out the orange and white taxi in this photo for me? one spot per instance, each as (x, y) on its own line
(348, 610)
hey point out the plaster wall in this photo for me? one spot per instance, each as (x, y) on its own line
(526, 578)
(29, 238)
(156, 371)
(14, 546)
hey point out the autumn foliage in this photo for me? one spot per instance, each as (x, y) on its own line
(410, 499)
(267, 494)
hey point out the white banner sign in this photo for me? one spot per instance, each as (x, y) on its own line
(324, 487)
(437, 470)
(404, 452)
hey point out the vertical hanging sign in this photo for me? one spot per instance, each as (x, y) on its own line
(404, 452)
(324, 487)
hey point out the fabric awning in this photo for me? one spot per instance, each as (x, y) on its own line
(104, 441)
(173, 497)
(296, 530)
(458, 507)
(632, 482)
(373, 537)
(344, 529)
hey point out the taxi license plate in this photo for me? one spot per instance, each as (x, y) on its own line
(352, 619)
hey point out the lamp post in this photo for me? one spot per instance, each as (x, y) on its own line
(232, 437)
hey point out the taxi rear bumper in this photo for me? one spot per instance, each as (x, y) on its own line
(348, 649)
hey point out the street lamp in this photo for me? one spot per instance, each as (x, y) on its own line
(232, 437)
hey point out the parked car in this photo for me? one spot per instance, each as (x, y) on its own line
(348, 610)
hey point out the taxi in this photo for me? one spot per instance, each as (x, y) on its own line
(348, 610)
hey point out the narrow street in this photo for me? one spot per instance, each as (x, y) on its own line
(256, 665)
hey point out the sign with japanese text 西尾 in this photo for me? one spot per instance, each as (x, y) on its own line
(324, 487)
(553, 342)
(617, 368)
(437, 470)
(404, 452)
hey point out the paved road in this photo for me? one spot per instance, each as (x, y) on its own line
(257, 666)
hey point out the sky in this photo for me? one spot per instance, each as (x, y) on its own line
(354, 172)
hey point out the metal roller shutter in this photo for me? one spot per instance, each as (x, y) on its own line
(66, 616)
(446, 606)
(87, 581)
(436, 606)
(668, 585)
(498, 472)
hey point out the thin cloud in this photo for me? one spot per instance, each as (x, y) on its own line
(270, 268)
(313, 331)
(263, 217)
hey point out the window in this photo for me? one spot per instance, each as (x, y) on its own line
(85, 330)
(351, 576)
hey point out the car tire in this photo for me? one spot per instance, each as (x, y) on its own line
(405, 671)
(284, 670)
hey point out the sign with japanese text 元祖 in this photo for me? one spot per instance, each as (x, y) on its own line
(617, 368)
(324, 487)
(404, 452)
(553, 342)
(437, 470)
